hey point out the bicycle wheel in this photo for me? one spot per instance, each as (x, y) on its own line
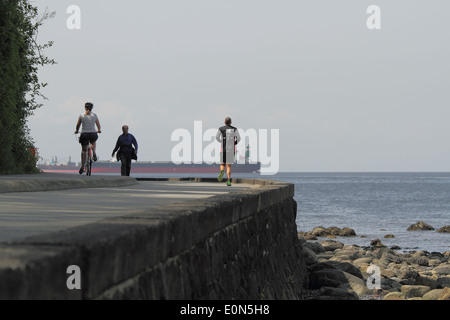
(89, 167)
(89, 162)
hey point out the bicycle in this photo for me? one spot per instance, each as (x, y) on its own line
(89, 159)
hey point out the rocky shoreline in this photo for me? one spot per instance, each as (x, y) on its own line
(351, 272)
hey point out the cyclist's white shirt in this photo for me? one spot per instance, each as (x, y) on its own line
(88, 122)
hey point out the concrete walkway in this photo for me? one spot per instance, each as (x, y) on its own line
(32, 205)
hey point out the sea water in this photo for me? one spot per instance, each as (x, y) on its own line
(373, 204)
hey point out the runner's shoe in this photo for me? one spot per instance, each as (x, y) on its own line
(220, 177)
(81, 170)
(229, 183)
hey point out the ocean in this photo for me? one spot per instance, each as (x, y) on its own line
(373, 204)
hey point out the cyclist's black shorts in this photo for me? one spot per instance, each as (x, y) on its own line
(87, 137)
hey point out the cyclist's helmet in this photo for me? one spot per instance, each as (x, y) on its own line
(89, 105)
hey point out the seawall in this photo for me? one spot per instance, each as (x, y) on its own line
(233, 246)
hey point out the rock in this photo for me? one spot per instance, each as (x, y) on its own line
(394, 296)
(347, 267)
(333, 231)
(389, 236)
(420, 253)
(377, 243)
(442, 270)
(422, 261)
(432, 294)
(330, 293)
(358, 284)
(444, 281)
(309, 256)
(445, 294)
(346, 254)
(426, 281)
(331, 245)
(347, 232)
(434, 262)
(326, 278)
(408, 274)
(420, 226)
(411, 291)
(363, 261)
(324, 256)
(319, 232)
(390, 284)
(322, 266)
(388, 273)
(315, 247)
(444, 229)
(309, 236)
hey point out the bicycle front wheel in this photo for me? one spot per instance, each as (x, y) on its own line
(89, 167)
(89, 162)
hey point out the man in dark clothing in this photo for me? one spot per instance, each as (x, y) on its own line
(228, 136)
(125, 144)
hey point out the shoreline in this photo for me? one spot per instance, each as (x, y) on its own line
(339, 271)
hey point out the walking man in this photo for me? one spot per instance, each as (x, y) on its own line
(228, 136)
(126, 152)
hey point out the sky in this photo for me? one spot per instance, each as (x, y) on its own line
(344, 97)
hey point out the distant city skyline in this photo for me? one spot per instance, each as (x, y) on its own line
(348, 88)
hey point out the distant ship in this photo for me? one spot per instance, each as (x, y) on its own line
(150, 167)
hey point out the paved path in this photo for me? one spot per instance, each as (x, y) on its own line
(24, 214)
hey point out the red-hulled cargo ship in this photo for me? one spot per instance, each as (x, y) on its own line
(113, 167)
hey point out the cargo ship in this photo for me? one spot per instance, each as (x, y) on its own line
(137, 167)
(113, 167)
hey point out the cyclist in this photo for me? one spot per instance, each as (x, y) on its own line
(88, 121)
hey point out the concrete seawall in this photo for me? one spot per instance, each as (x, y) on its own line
(233, 246)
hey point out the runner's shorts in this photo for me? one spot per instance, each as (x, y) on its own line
(88, 137)
(227, 157)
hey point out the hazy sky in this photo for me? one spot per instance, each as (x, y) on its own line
(344, 97)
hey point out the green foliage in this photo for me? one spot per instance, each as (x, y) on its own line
(20, 58)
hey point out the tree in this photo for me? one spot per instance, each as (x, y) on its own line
(20, 58)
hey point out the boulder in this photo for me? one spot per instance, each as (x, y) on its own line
(309, 256)
(390, 284)
(347, 232)
(358, 285)
(315, 247)
(346, 254)
(394, 296)
(426, 281)
(444, 229)
(363, 261)
(442, 270)
(445, 294)
(319, 232)
(326, 278)
(330, 293)
(432, 294)
(377, 243)
(412, 291)
(444, 281)
(408, 274)
(347, 267)
(420, 226)
(331, 245)
(333, 231)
